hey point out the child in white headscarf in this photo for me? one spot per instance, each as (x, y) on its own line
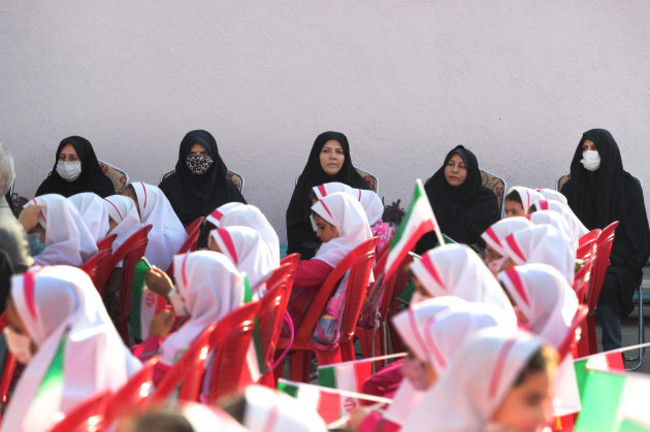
(59, 328)
(576, 228)
(167, 234)
(63, 232)
(91, 209)
(519, 199)
(495, 240)
(555, 219)
(123, 218)
(342, 225)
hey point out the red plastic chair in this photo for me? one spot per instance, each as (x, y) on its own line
(107, 242)
(575, 332)
(582, 277)
(7, 370)
(90, 266)
(591, 235)
(608, 230)
(287, 267)
(293, 258)
(193, 231)
(586, 249)
(359, 264)
(133, 395)
(104, 262)
(86, 416)
(131, 251)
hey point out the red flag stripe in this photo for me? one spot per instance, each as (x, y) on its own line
(515, 247)
(514, 277)
(227, 240)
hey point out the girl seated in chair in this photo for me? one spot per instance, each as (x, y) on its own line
(519, 199)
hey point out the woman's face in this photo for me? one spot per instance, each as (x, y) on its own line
(198, 150)
(529, 405)
(332, 157)
(68, 154)
(588, 145)
(325, 230)
(455, 171)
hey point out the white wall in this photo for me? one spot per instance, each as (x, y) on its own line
(516, 81)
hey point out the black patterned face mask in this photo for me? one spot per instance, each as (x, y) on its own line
(198, 164)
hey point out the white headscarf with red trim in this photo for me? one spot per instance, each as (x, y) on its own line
(548, 302)
(456, 270)
(211, 287)
(476, 383)
(50, 301)
(349, 218)
(576, 228)
(250, 254)
(435, 334)
(167, 234)
(527, 195)
(496, 234)
(91, 209)
(67, 239)
(209, 418)
(250, 216)
(217, 214)
(556, 220)
(542, 244)
(369, 200)
(268, 410)
(553, 195)
(123, 211)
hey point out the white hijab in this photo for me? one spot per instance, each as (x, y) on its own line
(91, 209)
(466, 396)
(456, 270)
(549, 304)
(167, 234)
(527, 195)
(555, 219)
(542, 244)
(250, 216)
(576, 227)
(67, 239)
(211, 287)
(123, 211)
(208, 418)
(270, 411)
(217, 214)
(496, 234)
(250, 254)
(369, 200)
(349, 218)
(52, 301)
(553, 195)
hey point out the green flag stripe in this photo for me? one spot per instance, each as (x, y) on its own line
(289, 389)
(598, 412)
(54, 375)
(135, 324)
(327, 377)
(417, 194)
(248, 294)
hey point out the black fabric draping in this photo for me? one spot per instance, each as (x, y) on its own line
(463, 212)
(92, 179)
(192, 195)
(6, 271)
(608, 194)
(300, 233)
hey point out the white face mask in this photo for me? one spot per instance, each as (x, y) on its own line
(495, 265)
(69, 171)
(19, 345)
(178, 304)
(590, 160)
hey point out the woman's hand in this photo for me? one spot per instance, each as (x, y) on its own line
(161, 324)
(158, 282)
(29, 216)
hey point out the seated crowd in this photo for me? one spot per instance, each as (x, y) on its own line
(485, 331)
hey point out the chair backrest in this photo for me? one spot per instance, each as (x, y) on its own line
(293, 258)
(608, 230)
(586, 249)
(591, 235)
(582, 278)
(601, 262)
(368, 177)
(107, 242)
(359, 263)
(232, 339)
(193, 231)
(90, 266)
(8, 368)
(233, 176)
(128, 244)
(561, 181)
(287, 268)
(573, 335)
(86, 416)
(118, 177)
(133, 394)
(493, 182)
(104, 268)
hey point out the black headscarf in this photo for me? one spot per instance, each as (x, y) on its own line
(300, 233)
(92, 179)
(463, 212)
(600, 197)
(192, 195)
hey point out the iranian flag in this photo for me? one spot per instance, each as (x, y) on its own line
(418, 221)
(43, 409)
(346, 376)
(255, 354)
(615, 401)
(605, 361)
(145, 304)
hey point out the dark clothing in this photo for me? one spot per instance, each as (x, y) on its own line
(463, 212)
(612, 194)
(300, 233)
(192, 195)
(92, 179)
(6, 271)
(13, 239)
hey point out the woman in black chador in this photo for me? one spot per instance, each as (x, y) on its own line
(599, 192)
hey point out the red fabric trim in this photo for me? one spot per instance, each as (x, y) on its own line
(415, 331)
(183, 268)
(490, 233)
(115, 207)
(514, 277)
(428, 265)
(498, 368)
(326, 209)
(144, 189)
(217, 215)
(515, 247)
(230, 246)
(28, 288)
(323, 192)
(432, 344)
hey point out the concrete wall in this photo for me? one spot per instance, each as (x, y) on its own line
(516, 81)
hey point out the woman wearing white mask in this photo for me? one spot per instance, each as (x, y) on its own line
(599, 192)
(76, 170)
(59, 328)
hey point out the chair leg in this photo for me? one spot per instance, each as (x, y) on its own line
(591, 330)
(641, 351)
(346, 351)
(583, 343)
(331, 357)
(300, 366)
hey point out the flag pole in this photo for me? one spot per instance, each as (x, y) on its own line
(378, 399)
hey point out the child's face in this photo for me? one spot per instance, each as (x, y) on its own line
(529, 405)
(325, 230)
(513, 208)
